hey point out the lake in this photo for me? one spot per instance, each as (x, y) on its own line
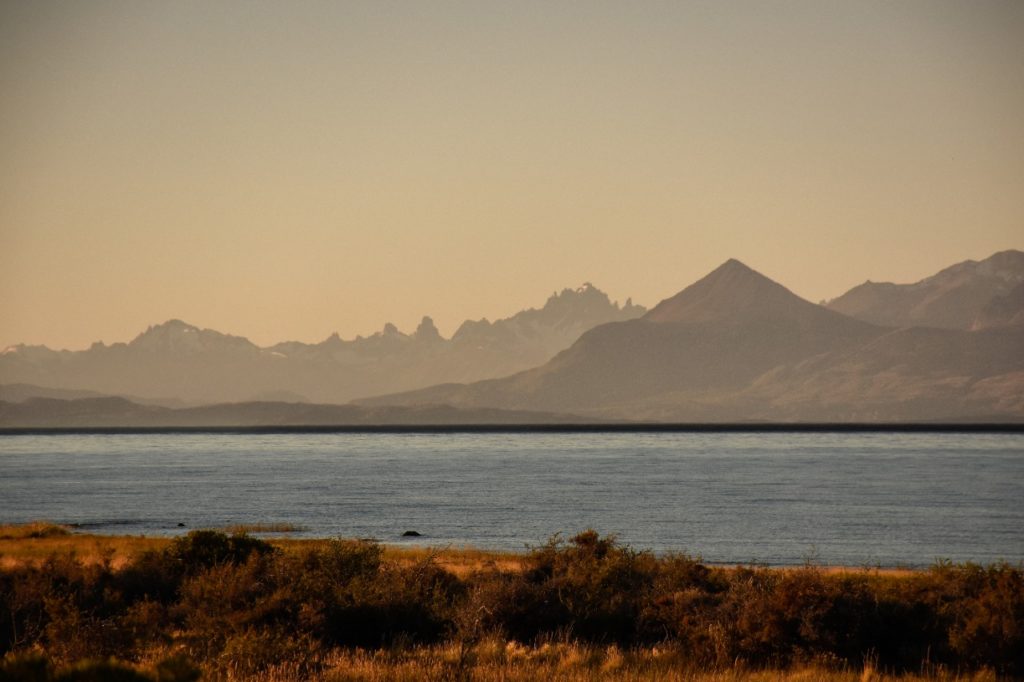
(856, 499)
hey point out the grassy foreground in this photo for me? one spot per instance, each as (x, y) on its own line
(226, 607)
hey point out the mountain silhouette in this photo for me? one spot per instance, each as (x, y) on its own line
(735, 293)
(737, 346)
(953, 298)
(733, 346)
(177, 361)
(180, 338)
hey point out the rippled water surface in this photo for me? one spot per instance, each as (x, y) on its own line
(778, 498)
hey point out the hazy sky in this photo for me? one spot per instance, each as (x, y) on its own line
(283, 170)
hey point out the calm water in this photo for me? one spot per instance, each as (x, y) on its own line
(846, 498)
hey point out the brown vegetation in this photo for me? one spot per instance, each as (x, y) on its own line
(240, 607)
(33, 543)
(32, 531)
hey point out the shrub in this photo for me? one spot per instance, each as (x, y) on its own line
(988, 626)
(201, 549)
(227, 599)
(394, 604)
(590, 586)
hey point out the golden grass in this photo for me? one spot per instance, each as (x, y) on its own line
(119, 550)
(495, 660)
(460, 561)
(32, 530)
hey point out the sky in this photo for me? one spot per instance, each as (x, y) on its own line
(286, 170)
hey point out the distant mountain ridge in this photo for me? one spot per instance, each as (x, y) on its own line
(736, 346)
(954, 298)
(16, 393)
(176, 360)
(114, 412)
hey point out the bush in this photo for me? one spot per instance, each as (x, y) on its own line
(201, 549)
(590, 586)
(988, 626)
(411, 604)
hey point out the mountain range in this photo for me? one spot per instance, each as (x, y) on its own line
(968, 295)
(736, 346)
(733, 346)
(175, 363)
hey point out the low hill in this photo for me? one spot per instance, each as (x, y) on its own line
(118, 412)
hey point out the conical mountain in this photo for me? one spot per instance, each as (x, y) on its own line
(735, 293)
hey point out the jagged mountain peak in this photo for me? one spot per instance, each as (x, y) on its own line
(427, 331)
(178, 336)
(583, 291)
(158, 333)
(584, 296)
(172, 325)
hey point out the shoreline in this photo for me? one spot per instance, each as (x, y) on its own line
(120, 549)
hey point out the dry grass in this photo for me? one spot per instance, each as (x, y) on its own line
(496, 660)
(500, 661)
(32, 530)
(119, 550)
(460, 561)
(895, 572)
